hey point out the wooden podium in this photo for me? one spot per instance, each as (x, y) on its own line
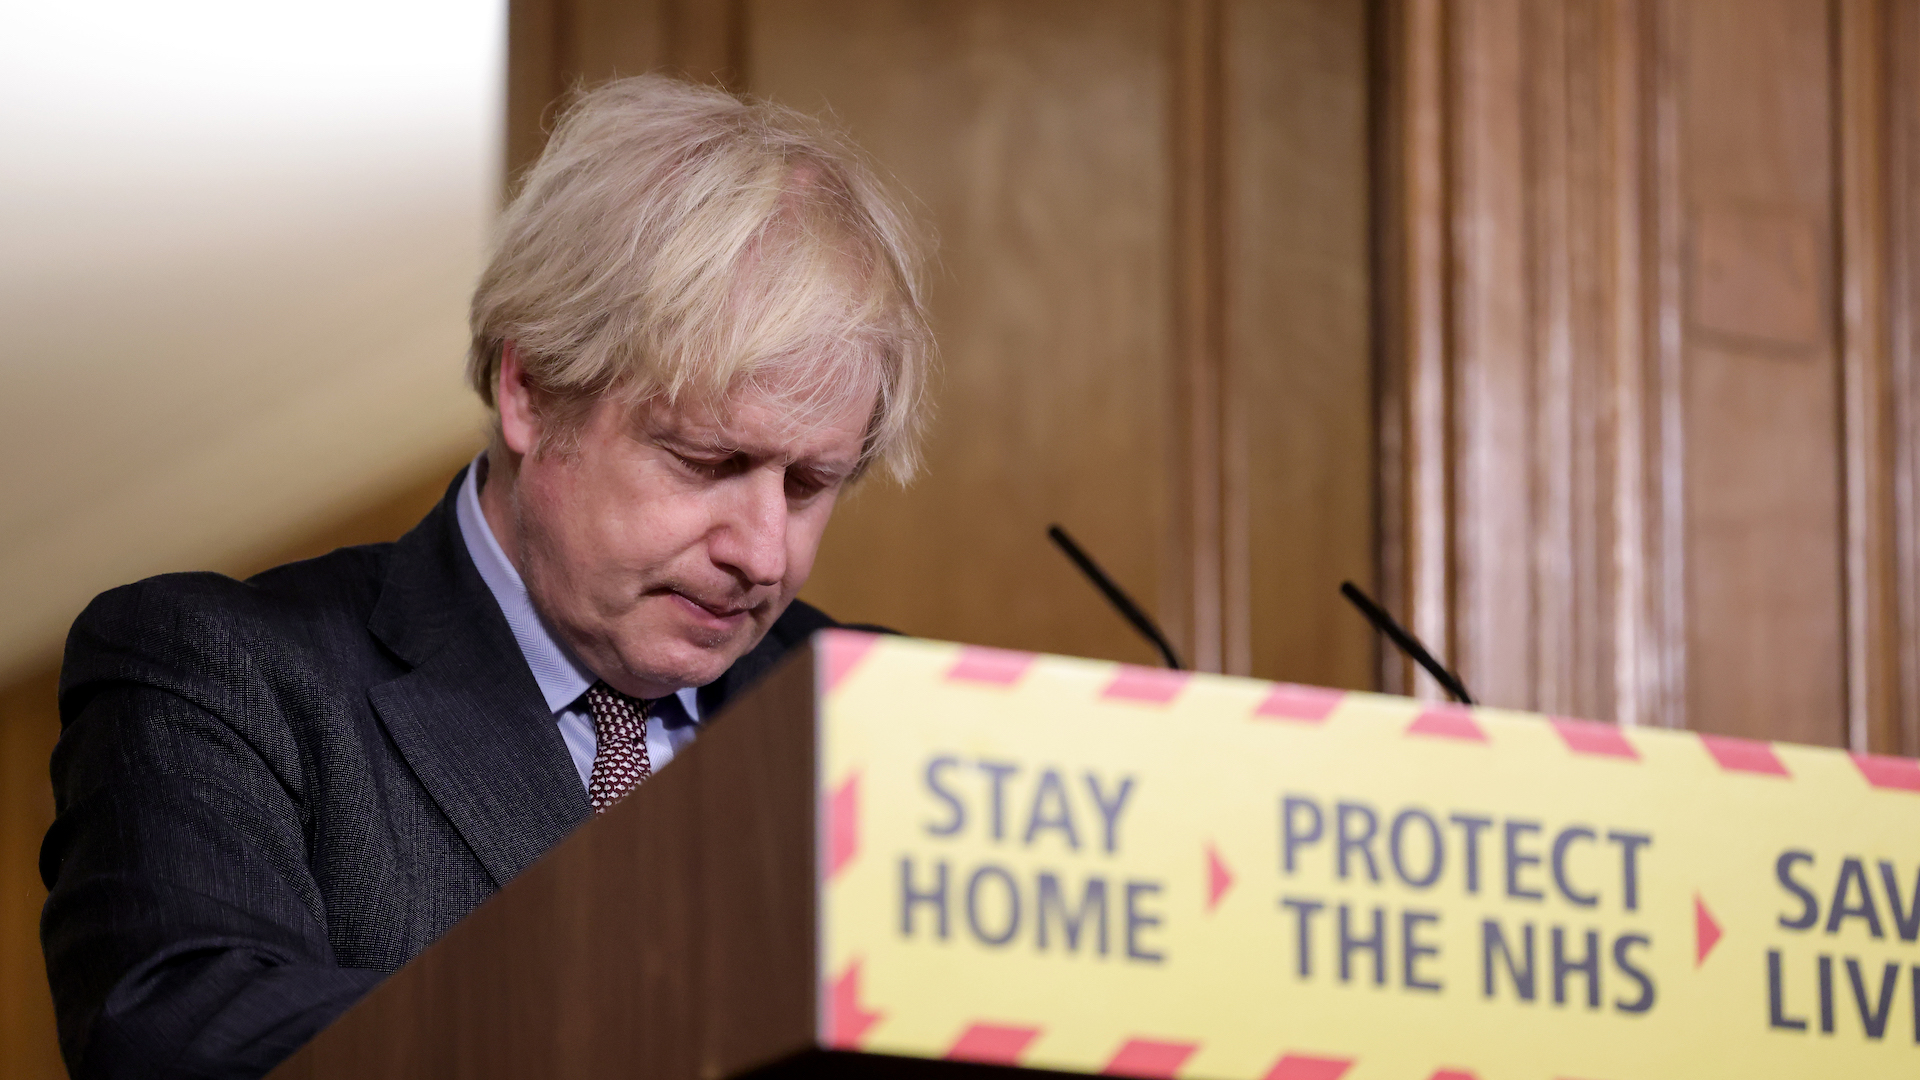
(898, 858)
(672, 937)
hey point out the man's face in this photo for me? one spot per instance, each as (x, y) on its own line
(666, 545)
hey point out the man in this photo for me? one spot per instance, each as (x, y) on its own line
(700, 325)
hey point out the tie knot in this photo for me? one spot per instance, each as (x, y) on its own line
(610, 706)
(620, 761)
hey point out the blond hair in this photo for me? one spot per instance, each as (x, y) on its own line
(676, 242)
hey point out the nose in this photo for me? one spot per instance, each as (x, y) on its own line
(751, 537)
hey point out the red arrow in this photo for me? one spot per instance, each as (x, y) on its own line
(1219, 878)
(1706, 932)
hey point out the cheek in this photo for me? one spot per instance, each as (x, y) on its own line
(566, 508)
(803, 540)
(542, 502)
(626, 520)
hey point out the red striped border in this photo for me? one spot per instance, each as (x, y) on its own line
(1892, 773)
(843, 825)
(1157, 686)
(1149, 1059)
(1588, 737)
(992, 1044)
(1744, 755)
(997, 667)
(844, 649)
(1309, 1067)
(1289, 702)
(1447, 722)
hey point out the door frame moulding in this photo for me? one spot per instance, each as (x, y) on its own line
(1877, 148)
(1492, 317)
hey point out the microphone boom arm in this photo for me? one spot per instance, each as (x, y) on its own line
(1406, 642)
(1115, 596)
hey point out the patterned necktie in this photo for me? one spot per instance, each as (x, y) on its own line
(620, 745)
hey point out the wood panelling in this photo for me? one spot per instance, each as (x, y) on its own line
(1867, 383)
(538, 37)
(1209, 498)
(1764, 604)
(556, 45)
(1878, 111)
(29, 725)
(1643, 370)
(1300, 393)
(696, 39)
(1410, 276)
(1550, 376)
(1762, 414)
(1035, 138)
(1899, 102)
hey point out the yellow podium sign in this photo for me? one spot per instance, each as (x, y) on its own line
(1084, 866)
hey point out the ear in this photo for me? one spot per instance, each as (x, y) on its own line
(519, 421)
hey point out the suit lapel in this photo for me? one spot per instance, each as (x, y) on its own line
(469, 718)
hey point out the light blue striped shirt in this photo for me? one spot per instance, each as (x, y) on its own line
(563, 680)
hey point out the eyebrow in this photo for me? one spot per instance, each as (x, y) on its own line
(829, 470)
(832, 470)
(698, 445)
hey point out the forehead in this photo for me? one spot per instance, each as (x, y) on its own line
(769, 423)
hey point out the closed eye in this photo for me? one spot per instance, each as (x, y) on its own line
(712, 468)
(803, 484)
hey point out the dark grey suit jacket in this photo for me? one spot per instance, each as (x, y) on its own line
(272, 793)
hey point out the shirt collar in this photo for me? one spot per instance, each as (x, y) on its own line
(562, 679)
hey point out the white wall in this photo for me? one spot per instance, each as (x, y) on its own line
(236, 244)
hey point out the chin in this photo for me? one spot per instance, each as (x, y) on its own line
(690, 663)
(671, 652)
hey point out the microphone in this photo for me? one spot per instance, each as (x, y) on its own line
(1407, 643)
(1119, 599)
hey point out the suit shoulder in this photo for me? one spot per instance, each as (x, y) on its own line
(346, 578)
(212, 623)
(802, 619)
(798, 623)
(342, 574)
